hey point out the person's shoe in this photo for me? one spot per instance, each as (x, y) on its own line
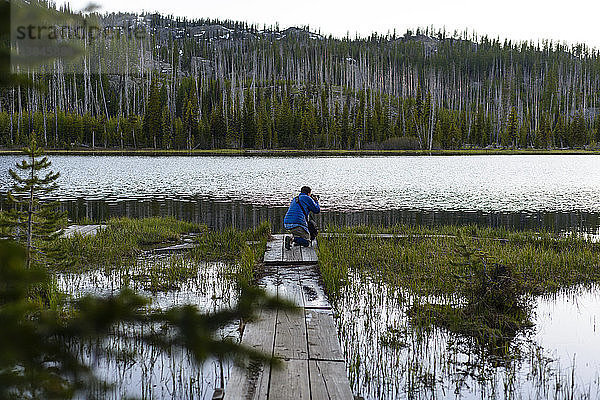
(288, 242)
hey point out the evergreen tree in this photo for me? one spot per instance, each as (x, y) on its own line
(359, 123)
(345, 126)
(248, 122)
(560, 131)
(542, 137)
(478, 135)
(31, 221)
(218, 129)
(181, 138)
(190, 123)
(167, 129)
(455, 134)
(578, 131)
(152, 117)
(437, 133)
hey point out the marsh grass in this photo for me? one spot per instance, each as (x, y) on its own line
(245, 248)
(496, 306)
(213, 277)
(122, 240)
(475, 282)
(418, 320)
(165, 275)
(426, 266)
(123, 243)
(153, 230)
(474, 232)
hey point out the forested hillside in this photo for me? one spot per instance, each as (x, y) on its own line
(223, 84)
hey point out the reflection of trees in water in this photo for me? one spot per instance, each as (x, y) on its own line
(221, 213)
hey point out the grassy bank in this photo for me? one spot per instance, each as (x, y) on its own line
(122, 245)
(302, 153)
(124, 239)
(244, 249)
(427, 265)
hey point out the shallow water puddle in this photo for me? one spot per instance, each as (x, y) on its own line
(137, 370)
(389, 359)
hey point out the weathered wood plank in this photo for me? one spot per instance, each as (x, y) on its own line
(248, 382)
(323, 343)
(292, 255)
(290, 381)
(309, 254)
(260, 334)
(312, 290)
(274, 251)
(270, 281)
(288, 273)
(314, 295)
(251, 381)
(328, 380)
(291, 262)
(84, 230)
(305, 340)
(290, 335)
(175, 248)
(292, 291)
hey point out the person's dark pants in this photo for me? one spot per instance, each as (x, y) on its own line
(301, 237)
(312, 229)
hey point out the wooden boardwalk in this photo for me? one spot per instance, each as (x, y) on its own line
(276, 253)
(304, 341)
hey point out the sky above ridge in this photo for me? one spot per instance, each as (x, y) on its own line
(574, 21)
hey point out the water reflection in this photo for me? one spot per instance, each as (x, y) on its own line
(388, 359)
(137, 370)
(219, 214)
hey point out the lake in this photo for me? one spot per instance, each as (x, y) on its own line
(556, 192)
(386, 358)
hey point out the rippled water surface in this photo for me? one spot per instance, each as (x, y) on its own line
(483, 183)
(556, 192)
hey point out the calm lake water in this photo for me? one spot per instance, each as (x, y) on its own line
(559, 193)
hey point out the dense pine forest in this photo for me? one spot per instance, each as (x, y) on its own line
(208, 84)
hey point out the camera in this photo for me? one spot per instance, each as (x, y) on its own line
(315, 197)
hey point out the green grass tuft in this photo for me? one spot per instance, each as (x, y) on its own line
(425, 265)
(122, 240)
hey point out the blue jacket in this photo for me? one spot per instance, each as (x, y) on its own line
(295, 216)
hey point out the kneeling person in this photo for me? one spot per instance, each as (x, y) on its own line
(297, 220)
